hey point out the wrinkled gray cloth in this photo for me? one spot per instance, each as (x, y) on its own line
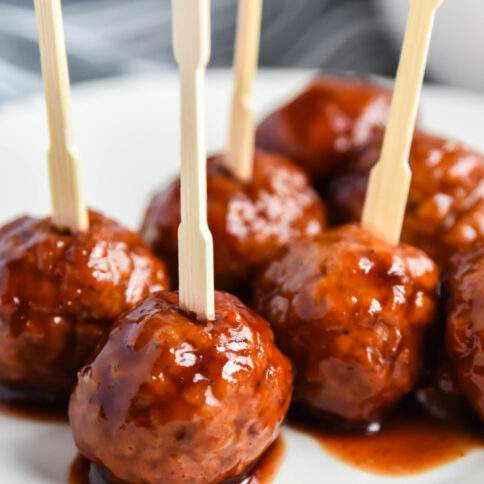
(117, 37)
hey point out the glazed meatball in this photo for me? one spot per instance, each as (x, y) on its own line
(351, 312)
(250, 222)
(170, 399)
(465, 323)
(445, 209)
(333, 118)
(59, 295)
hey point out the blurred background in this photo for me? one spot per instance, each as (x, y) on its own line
(107, 38)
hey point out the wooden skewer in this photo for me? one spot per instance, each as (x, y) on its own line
(68, 209)
(240, 151)
(191, 40)
(389, 183)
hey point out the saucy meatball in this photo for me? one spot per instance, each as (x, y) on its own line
(351, 312)
(250, 222)
(445, 209)
(59, 295)
(333, 118)
(171, 399)
(465, 323)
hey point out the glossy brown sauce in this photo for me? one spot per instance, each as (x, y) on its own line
(410, 442)
(18, 405)
(82, 471)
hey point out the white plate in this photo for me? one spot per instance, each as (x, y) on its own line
(127, 132)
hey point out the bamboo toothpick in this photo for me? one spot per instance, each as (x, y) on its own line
(191, 40)
(68, 209)
(240, 151)
(389, 183)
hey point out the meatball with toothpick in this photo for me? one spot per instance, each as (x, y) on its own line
(60, 293)
(351, 312)
(174, 399)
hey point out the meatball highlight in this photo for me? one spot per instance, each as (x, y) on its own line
(331, 120)
(59, 295)
(351, 312)
(170, 399)
(250, 222)
(465, 323)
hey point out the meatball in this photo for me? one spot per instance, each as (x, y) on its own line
(249, 222)
(59, 295)
(333, 118)
(351, 312)
(170, 399)
(445, 209)
(465, 323)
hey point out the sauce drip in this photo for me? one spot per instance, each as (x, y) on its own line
(21, 405)
(82, 471)
(410, 442)
(79, 470)
(266, 468)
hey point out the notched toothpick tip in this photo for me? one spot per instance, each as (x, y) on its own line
(390, 178)
(191, 42)
(67, 199)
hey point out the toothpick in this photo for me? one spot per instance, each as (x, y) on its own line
(191, 40)
(389, 183)
(68, 209)
(240, 151)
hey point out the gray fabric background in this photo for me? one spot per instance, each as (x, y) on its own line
(117, 37)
